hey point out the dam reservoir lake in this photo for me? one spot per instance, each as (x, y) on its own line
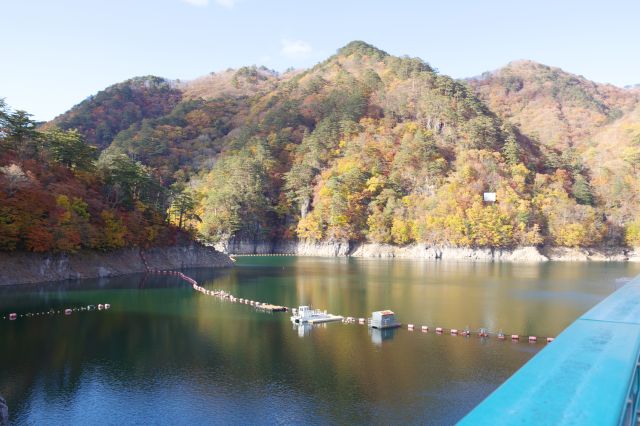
(165, 354)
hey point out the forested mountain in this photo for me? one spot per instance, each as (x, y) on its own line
(366, 146)
(596, 127)
(558, 109)
(245, 81)
(55, 197)
(101, 117)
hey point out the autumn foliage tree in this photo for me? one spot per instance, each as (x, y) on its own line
(52, 198)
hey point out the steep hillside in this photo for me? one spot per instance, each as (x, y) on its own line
(585, 126)
(557, 108)
(101, 117)
(246, 81)
(366, 146)
(612, 155)
(55, 198)
(188, 134)
(184, 141)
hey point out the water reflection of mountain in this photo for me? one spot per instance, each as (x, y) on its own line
(454, 295)
(163, 335)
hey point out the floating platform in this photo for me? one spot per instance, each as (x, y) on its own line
(328, 318)
(272, 308)
(313, 316)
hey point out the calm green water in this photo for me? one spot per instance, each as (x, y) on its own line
(165, 354)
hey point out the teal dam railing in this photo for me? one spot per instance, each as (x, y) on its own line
(588, 376)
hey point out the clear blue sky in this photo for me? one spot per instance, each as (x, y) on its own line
(55, 53)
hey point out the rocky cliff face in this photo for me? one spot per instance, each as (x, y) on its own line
(300, 248)
(423, 251)
(22, 268)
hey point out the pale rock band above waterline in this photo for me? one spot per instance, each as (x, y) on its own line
(424, 251)
(29, 268)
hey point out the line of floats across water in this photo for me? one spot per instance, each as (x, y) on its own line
(66, 312)
(223, 295)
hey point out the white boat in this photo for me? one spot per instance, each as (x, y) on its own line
(313, 316)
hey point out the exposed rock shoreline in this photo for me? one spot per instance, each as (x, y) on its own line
(423, 251)
(28, 268)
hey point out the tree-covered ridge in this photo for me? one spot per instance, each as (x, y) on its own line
(183, 142)
(557, 108)
(55, 196)
(370, 147)
(613, 159)
(584, 127)
(243, 82)
(366, 146)
(101, 117)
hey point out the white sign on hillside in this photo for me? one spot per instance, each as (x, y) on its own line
(489, 197)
